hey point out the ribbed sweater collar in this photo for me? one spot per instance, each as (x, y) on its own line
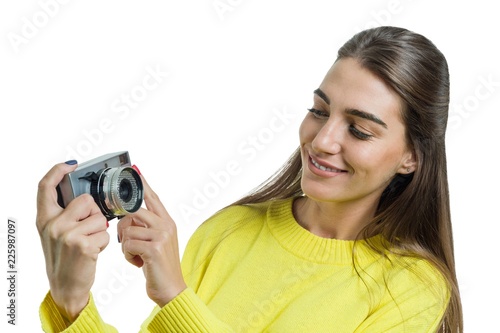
(302, 243)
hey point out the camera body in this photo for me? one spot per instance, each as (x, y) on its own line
(115, 186)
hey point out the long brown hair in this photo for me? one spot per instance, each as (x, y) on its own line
(414, 211)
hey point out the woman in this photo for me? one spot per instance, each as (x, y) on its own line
(352, 235)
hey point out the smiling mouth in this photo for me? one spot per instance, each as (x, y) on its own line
(324, 168)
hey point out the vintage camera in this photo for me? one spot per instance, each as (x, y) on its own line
(115, 186)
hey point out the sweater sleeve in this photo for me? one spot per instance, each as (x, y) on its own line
(188, 314)
(88, 320)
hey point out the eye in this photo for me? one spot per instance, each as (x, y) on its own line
(359, 134)
(319, 114)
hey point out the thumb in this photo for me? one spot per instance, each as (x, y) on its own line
(47, 205)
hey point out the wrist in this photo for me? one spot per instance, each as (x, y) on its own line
(70, 307)
(169, 295)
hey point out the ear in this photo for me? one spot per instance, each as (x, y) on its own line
(408, 163)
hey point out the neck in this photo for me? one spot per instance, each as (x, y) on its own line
(341, 221)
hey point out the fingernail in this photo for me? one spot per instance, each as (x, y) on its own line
(71, 162)
(136, 169)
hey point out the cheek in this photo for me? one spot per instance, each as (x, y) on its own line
(304, 130)
(307, 130)
(381, 159)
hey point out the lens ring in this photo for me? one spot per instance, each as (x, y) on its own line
(129, 178)
(122, 190)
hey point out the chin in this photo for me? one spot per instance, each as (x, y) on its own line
(319, 192)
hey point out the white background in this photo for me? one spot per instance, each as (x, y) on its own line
(232, 69)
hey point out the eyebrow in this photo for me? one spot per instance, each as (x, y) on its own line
(366, 115)
(323, 96)
(353, 112)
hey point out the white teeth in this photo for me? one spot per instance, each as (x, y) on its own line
(321, 167)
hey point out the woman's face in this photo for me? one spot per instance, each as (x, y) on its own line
(353, 139)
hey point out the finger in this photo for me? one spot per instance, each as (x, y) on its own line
(125, 222)
(137, 243)
(87, 245)
(100, 240)
(47, 195)
(93, 224)
(134, 251)
(129, 220)
(82, 207)
(151, 199)
(140, 233)
(148, 219)
(148, 235)
(81, 217)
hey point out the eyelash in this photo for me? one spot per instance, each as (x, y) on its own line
(354, 131)
(318, 114)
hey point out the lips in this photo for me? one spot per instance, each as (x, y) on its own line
(323, 166)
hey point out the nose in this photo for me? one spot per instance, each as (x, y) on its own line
(329, 137)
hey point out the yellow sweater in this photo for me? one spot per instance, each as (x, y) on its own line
(254, 269)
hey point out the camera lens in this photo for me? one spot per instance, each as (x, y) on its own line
(125, 190)
(119, 191)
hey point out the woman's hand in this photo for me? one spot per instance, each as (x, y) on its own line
(71, 239)
(149, 240)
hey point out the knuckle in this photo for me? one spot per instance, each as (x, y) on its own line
(101, 220)
(52, 231)
(156, 248)
(126, 247)
(164, 237)
(43, 184)
(127, 229)
(78, 242)
(84, 246)
(107, 238)
(40, 224)
(125, 234)
(69, 239)
(171, 228)
(86, 199)
(167, 237)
